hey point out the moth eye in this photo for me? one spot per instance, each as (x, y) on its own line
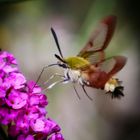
(63, 65)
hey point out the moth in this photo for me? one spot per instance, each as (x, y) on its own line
(90, 68)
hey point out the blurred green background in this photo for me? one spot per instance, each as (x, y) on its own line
(25, 32)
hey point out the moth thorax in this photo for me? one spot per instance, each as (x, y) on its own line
(111, 84)
(73, 75)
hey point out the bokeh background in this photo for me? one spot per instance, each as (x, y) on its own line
(25, 32)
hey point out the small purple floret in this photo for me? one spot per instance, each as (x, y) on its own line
(56, 136)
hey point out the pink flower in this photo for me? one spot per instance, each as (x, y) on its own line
(16, 99)
(22, 105)
(24, 137)
(56, 136)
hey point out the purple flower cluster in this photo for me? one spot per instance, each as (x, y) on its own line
(22, 105)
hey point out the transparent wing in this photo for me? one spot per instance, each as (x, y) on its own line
(113, 64)
(96, 58)
(99, 40)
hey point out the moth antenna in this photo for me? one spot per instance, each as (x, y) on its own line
(83, 87)
(59, 58)
(56, 41)
(76, 92)
(42, 72)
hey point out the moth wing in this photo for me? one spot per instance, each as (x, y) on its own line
(99, 40)
(96, 58)
(113, 64)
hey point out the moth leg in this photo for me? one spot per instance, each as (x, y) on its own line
(42, 73)
(54, 75)
(83, 87)
(76, 92)
(56, 83)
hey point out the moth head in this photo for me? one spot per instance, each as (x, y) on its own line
(61, 62)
